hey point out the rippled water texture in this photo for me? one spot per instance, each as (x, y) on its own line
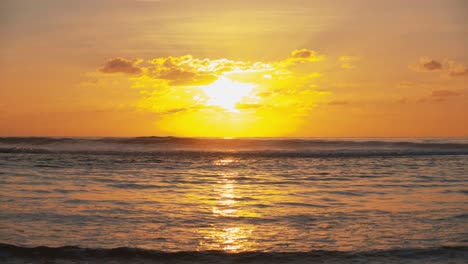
(291, 196)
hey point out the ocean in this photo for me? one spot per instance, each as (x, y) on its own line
(211, 200)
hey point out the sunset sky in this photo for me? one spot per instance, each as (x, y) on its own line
(244, 68)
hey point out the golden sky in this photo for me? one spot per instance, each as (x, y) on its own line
(299, 68)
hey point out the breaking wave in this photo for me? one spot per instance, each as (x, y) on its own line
(434, 255)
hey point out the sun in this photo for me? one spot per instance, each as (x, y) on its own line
(226, 93)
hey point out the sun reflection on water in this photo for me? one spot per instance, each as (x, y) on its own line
(231, 236)
(225, 161)
(231, 239)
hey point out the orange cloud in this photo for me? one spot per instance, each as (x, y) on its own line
(347, 62)
(436, 96)
(444, 93)
(457, 69)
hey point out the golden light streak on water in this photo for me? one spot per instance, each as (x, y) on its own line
(223, 236)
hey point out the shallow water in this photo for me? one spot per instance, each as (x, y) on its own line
(290, 195)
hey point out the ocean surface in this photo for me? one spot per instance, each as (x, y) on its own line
(184, 200)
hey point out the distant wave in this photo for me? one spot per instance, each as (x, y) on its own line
(442, 254)
(295, 142)
(245, 147)
(290, 154)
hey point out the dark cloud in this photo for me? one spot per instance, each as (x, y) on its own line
(121, 65)
(427, 64)
(432, 65)
(304, 55)
(177, 74)
(183, 71)
(444, 93)
(451, 68)
(181, 77)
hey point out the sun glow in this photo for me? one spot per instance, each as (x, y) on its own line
(227, 98)
(226, 93)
